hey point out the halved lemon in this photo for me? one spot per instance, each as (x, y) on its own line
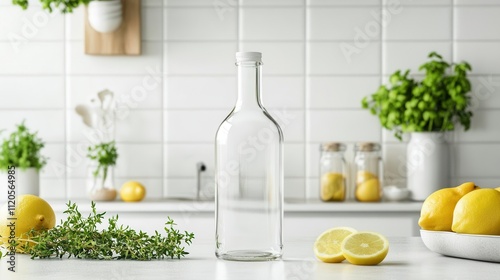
(327, 246)
(365, 248)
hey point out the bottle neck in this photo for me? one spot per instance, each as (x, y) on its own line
(249, 75)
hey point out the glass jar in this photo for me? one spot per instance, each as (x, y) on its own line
(332, 172)
(367, 170)
(100, 182)
(249, 173)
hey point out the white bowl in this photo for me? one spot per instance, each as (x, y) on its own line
(467, 246)
(105, 6)
(105, 25)
(103, 10)
(394, 193)
(105, 16)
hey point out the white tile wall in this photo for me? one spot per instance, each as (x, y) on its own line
(199, 24)
(338, 23)
(22, 58)
(336, 58)
(483, 56)
(410, 55)
(42, 92)
(320, 58)
(33, 24)
(434, 24)
(200, 58)
(280, 58)
(263, 24)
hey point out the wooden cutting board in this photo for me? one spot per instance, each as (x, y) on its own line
(126, 40)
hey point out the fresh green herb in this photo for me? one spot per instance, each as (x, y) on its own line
(436, 103)
(79, 237)
(22, 149)
(105, 154)
(66, 6)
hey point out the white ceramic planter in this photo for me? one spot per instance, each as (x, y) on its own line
(27, 182)
(105, 16)
(427, 164)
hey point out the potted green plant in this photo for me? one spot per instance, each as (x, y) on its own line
(104, 15)
(426, 109)
(20, 153)
(103, 157)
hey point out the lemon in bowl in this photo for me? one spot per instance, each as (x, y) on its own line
(437, 209)
(132, 191)
(478, 212)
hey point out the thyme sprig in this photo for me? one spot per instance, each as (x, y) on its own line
(80, 237)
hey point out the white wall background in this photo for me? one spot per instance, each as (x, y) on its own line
(189, 46)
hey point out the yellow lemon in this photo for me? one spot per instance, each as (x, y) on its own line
(478, 212)
(368, 190)
(31, 212)
(498, 189)
(332, 187)
(327, 245)
(363, 176)
(437, 209)
(365, 248)
(132, 191)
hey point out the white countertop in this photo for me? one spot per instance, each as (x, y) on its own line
(408, 258)
(155, 206)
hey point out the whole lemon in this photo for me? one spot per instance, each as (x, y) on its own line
(132, 191)
(31, 212)
(363, 176)
(478, 212)
(332, 187)
(437, 209)
(369, 190)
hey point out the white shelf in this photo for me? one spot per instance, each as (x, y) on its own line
(166, 206)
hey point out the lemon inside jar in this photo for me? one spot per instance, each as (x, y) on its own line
(368, 187)
(333, 187)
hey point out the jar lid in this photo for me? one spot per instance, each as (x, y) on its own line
(367, 147)
(332, 147)
(248, 56)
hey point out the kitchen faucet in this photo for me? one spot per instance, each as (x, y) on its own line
(200, 167)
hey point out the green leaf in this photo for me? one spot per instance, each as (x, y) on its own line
(80, 237)
(65, 6)
(436, 103)
(22, 149)
(105, 155)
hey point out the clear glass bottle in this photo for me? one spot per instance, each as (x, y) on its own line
(332, 172)
(368, 170)
(249, 173)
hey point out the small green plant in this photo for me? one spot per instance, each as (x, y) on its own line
(105, 155)
(80, 237)
(437, 103)
(22, 149)
(66, 6)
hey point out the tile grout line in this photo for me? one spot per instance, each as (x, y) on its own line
(306, 104)
(164, 100)
(452, 169)
(66, 103)
(382, 61)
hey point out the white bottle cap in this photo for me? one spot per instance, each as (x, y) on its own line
(248, 56)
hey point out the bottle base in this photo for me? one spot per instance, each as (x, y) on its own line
(248, 256)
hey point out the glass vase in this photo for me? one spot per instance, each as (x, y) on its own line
(100, 183)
